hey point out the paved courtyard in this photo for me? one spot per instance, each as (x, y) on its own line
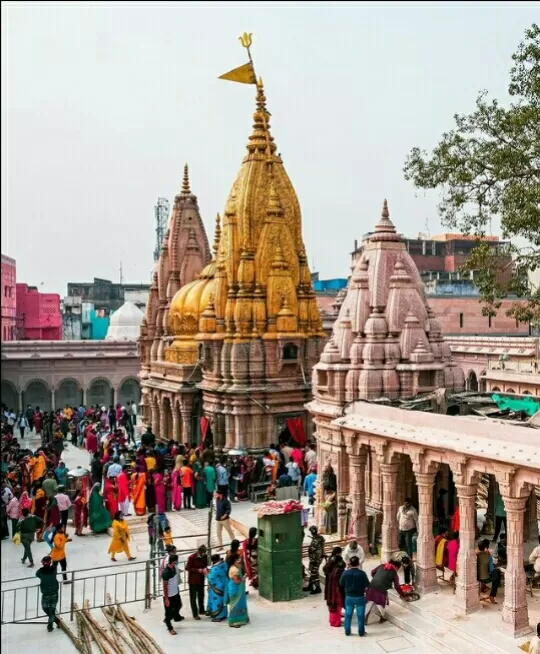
(301, 624)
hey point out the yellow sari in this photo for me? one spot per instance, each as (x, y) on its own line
(138, 487)
(120, 538)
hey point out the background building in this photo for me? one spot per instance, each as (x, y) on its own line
(109, 296)
(9, 299)
(443, 254)
(38, 315)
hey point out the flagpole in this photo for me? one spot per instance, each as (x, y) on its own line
(246, 42)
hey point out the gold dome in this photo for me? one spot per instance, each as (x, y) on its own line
(186, 309)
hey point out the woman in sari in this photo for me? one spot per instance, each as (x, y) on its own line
(236, 593)
(150, 493)
(159, 492)
(140, 464)
(200, 489)
(26, 503)
(53, 518)
(216, 605)
(120, 537)
(176, 490)
(80, 513)
(249, 547)
(110, 492)
(138, 483)
(39, 509)
(39, 465)
(333, 593)
(99, 517)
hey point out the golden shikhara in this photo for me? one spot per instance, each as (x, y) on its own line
(258, 284)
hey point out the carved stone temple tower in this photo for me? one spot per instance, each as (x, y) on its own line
(386, 343)
(386, 340)
(167, 401)
(248, 328)
(231, 339)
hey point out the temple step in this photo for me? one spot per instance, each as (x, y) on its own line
(439, 638)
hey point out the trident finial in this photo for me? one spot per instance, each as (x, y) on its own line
(246, 40)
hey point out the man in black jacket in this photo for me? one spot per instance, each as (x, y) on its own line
(48, 586)
(148, 439)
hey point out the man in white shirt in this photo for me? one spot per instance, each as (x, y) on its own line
(294, 472)
(115, 468)
(407, 518)
(534, 558)
(354, 549)
(133, 413)
(310, 459)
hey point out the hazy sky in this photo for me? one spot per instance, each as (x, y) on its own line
(104, 102)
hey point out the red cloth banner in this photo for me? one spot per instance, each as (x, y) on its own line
(205, 423)
(296, 428)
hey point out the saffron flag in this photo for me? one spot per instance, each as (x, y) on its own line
(243, 74)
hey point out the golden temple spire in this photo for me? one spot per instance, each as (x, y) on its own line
(217, 236)
(185, 182)
(274, 205)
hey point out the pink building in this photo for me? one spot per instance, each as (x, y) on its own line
(38, 315)
(9, 299)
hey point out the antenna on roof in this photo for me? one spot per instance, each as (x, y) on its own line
(426, 227)
(121, 275)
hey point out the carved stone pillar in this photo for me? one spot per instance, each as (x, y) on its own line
(389, 474)
(176, 422)
(466, 598)
(514, 614)
(357, 480)
(489, 523)
(426, 576)
(163, 421)
(155, 417)
(530, 527)
(185, 413)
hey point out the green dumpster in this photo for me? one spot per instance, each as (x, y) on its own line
(280, 556)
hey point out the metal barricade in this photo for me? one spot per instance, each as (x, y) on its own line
(125, 583)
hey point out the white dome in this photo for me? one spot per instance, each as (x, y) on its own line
(125, 323)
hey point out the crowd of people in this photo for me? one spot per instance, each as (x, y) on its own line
(153, 477)
(224, 578)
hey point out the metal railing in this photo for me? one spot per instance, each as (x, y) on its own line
(125, 583)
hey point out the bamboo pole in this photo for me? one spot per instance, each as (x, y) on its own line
(77, 642)
(98, 629)
(133, 624)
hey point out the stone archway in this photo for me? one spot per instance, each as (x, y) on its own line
(482, 382)
(495, 389)
(68, 392)
(129, 390)
(38, 394)
(472, 381)
(10, 395)
(510, 390)
(99, 392)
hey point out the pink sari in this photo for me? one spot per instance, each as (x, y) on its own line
(176, 490)
(159, 489)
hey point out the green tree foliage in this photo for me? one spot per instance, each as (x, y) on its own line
(489, 166)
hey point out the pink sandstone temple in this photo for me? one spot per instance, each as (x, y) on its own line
(387, 346)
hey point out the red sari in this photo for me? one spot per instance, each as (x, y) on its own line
(111, 498)
(80, 514)
(333, 593)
